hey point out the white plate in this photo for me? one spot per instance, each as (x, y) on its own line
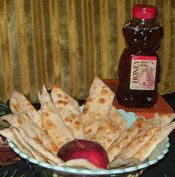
(155, 156)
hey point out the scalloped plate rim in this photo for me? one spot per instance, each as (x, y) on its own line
(90, 172)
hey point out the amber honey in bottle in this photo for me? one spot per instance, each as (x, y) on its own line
(139, 65)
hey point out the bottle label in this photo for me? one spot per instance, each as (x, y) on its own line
(143, 72)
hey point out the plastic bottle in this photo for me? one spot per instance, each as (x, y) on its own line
(139, 65)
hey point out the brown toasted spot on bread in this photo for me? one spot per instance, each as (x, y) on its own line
(68, 119)
(85, 110)
(77, 124)
(37, 139)
(62, 102)
(102, 100)
(47, 114)
(16, 107)
(49, 125)
(19, 121)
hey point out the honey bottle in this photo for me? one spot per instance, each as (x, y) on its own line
(139, 65)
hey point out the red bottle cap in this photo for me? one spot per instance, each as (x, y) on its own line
(140, 11)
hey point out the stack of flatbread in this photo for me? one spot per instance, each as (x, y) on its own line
(41, 133)
(102, 123)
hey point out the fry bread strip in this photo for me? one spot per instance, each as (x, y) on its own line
(20, 104)
(52, 121)
(39, 148)
(7, 132)
(120, 161)
(63, 100)
(96, 114)
(27, 146)
(145, 126)
(91, 130)
(32, 130)
(69, 110)
(117, 118)
(99, 101)
(134, 146)
(124, 139)
(115, 148)
(148, 147)
(164, 119)
(80, 163)
(106, 134)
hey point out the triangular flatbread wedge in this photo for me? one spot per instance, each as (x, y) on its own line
(99, 123)
(69, 110)
(137, 143)
(8, 133)
(125, 138)
(148, 147)
(20, 104)
(164, 119)
(117, 118)
(40, 148)
(33, 153)
(80, 163)
(52, 122)
(106, 133)
(99, 102)
(32, 129)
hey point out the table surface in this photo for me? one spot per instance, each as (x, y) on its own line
(164, 168)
